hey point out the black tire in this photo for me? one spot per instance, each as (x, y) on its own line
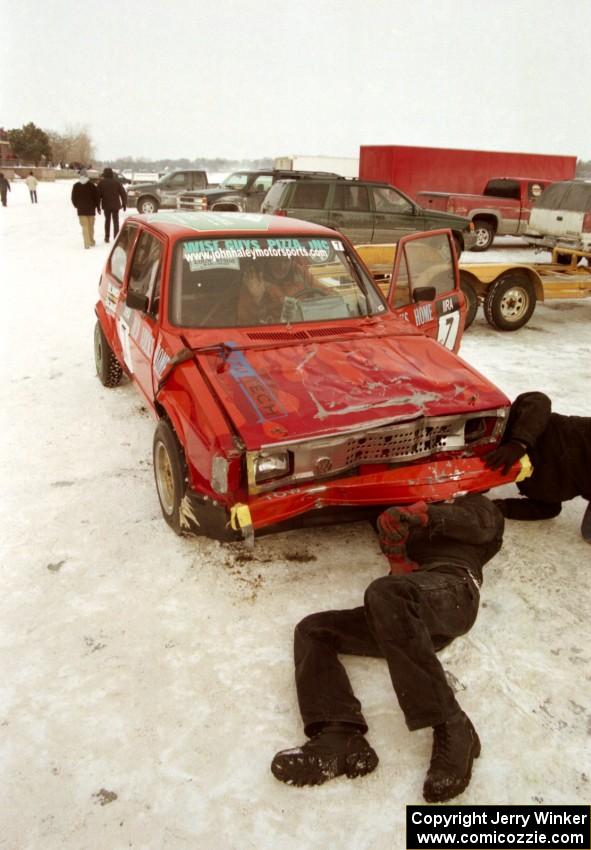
(510, 302)
(108, 368)
(170, 472)
(485, 233)
(147, 204)
(471, 299)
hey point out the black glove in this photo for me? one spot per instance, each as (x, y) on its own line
(505, 456)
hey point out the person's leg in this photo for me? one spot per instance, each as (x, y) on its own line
(84, 224)
(330, 711)
(107, 214)
(411, 616)
(528, 509)
(91, 229)
(31, 195)
(35, 195)
(115, 223)
(3, 198)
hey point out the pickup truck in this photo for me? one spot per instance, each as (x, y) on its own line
(163, 193)
(502, 209)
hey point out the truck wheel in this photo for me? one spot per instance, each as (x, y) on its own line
(147, 205)
(485, 233)
(471, 300)
(169, 473)
(510, 302)
(107, 366)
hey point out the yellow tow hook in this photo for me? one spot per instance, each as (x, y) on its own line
(527, 469)
(240, 520)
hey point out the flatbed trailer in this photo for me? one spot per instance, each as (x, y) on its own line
(508, 291)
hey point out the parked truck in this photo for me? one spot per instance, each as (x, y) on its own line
(417, 169)
(503, 207)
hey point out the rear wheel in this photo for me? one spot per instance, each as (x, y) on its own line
(510, 302)
(485, 233)
(471, 299)
(147, 205)
(169, 473)
(107, 366)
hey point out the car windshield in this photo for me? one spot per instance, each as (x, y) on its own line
(238, 180)
(241, 282)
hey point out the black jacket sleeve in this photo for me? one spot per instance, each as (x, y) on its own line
(469, 519)
(122, 195)
(528, 418)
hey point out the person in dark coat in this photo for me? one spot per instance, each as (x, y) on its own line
(559, 448)
(113, 197)
(437, 554)
(85, 197)
(4, 188)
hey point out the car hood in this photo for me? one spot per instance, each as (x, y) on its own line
(315, 389)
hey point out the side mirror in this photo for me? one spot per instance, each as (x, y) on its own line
(137, 301)
(424, 293)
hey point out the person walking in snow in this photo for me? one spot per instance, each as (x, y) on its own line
(559, 448)
(4, 188)
(32, 182)
(85, 197)
(436, 556)
(113, 196)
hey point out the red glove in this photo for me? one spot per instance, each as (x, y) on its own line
(394, 526)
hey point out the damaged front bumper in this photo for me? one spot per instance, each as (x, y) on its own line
(343, 499)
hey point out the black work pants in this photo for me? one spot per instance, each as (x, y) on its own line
(111, 214)
(405, 619)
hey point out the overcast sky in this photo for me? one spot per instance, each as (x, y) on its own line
(190, 78)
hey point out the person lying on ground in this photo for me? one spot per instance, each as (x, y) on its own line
(436, 556)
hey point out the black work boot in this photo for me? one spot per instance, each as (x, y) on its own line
(455, 746)
(334, 751)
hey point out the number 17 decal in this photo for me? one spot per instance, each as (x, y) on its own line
(447, 330)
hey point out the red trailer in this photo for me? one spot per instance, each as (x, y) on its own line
(416, 169)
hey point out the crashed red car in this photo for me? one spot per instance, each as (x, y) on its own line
(286, 387)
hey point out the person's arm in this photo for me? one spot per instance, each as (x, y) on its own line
(74, 196)
(528, 419)
(123, 196)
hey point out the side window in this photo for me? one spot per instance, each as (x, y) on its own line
(534, 190)
(146, 267)
(262, 183)
(309, 196)
(121, 252)
(177, 181)
(388, 200)
(199, 181)
(349, 196)
(402, 293)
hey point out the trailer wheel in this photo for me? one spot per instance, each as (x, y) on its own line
(510, 302)
(485, 233)
(471, 299)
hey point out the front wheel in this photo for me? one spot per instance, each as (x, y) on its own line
(147, 205)
(510, 302)
(169, 473)
(485, 233)
(108, 368)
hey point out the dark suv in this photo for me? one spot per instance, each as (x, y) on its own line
(363, 211)
(243, 191)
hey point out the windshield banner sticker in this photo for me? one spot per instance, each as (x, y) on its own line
(205, 254)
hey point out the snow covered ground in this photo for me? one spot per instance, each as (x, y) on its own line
(147, 679)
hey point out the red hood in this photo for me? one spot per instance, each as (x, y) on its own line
(315, 389)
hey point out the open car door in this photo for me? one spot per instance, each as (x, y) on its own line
(425, 286)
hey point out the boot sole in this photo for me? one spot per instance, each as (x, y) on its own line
(302, 769)
(461, 787)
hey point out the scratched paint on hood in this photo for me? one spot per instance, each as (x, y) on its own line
(318, 389)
